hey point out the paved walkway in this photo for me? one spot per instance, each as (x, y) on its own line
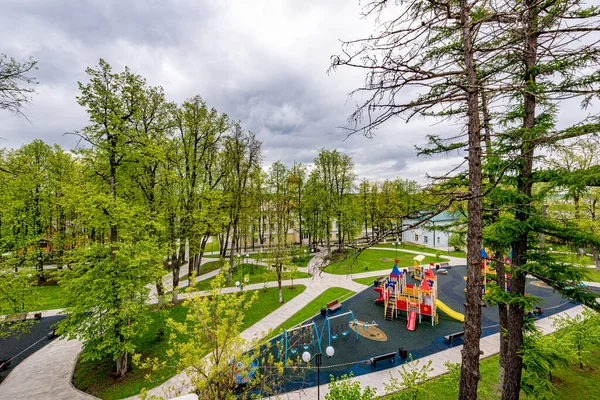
(45, 375)
(51, 367)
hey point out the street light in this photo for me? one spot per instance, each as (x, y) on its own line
(307, 358)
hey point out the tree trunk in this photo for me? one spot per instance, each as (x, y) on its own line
(232, 253)
(469, 376)
(122, 365)
(279, 287)
(503, 318)
(175, 268)
(596, 256)
(514, 362)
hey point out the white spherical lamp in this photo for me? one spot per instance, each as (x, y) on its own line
(329, 351)
(306, 356)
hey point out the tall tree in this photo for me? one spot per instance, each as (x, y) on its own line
(15, 83)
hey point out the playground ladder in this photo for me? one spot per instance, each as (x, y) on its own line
(391, 306)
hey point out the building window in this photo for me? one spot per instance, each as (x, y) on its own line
(425, 239)
(416, 237)
(438, 242)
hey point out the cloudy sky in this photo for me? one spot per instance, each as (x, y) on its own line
(262, 62)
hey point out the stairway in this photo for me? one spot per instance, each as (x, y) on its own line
(389, 311)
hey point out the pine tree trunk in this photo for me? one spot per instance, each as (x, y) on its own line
(503, 318)
(514, 362)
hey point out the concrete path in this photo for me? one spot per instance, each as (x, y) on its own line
(45, 375)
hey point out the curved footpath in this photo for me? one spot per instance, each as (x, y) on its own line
(47, 373)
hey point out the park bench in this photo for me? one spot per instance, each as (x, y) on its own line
(444, 265)
(387, 356)
(334, 306)
(449, 338)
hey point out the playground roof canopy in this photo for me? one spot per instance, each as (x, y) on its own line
(419, 258)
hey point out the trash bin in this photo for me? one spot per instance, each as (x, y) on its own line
(403, 352)
(323, 311)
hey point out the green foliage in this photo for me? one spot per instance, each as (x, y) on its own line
(409, 384)
(344, 388)
(107, 298)
(457, 240)
(541, 356)
(582, 335)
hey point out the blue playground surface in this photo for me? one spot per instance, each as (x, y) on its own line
(353, 355)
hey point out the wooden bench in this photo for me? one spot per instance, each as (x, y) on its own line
(444, 265)
(334, 306)
(449, 338)
(388, 356)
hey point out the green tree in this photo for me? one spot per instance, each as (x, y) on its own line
(409, 384)
(15, 83)
(582, 335)
(106, 293)
(344, 388)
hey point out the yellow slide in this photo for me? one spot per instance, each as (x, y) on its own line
(451, 313)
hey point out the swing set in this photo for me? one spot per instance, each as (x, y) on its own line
(302, 336)
(338, 328)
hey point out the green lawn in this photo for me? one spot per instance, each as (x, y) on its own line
(374, 260)
(255, 273)
(314, 307)
(593, 275)
(573, 258)
(47, 297)
(300, 261)
(572, 383)
(366, 281)
(94, 377)
(416, 247)
(206, 268)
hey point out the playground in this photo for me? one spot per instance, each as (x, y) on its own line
(363, 330)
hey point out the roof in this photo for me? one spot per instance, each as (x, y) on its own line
(419, 258)
(425, 286)
(441, 217)
(395, 271)
(429, 274)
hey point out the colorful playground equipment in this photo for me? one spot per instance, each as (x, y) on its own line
(417, 270)
(416, 300)
(488, 270)
(302, 336)
(341, 326)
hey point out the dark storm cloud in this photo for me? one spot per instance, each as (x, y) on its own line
(263, 63)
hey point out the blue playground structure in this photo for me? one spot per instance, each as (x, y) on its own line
(302, 336)
(338, 328)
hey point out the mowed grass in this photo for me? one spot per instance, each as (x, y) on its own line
(300, 261)
(94, 377)
(48, 297)
(366, 281)
(314, 307)
(255, 274)
(424, 249)
(572, 383)
(373, 260)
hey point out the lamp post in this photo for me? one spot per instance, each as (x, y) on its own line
(329, 352)
(395, 244)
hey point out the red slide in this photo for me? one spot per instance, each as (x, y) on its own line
(381, 299)
(412, 321)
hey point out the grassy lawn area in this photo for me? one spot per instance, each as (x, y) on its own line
(206, 268)
(572, 258)
(572, 383)
(47, 297)
(94, 377)
(374, 260)
(416, 247)
(300, 261)
(255, 273)
(314, 307)
(592, 275)
(366, 281)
